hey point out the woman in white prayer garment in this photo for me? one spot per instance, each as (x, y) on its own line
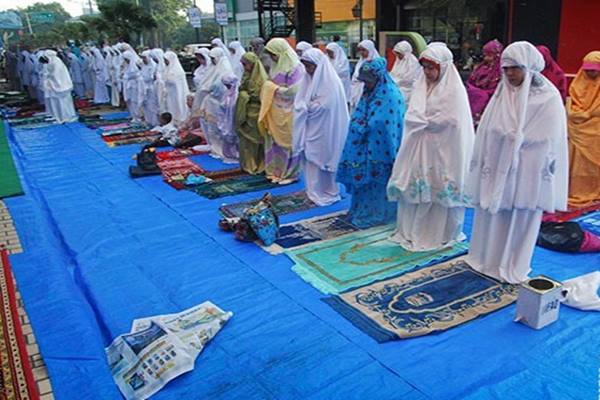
(76, 71)
(114, 72)
(133, 86)
(57, 88)
(158, 56)
(101, 77)
(236, 51)
(150, 96)
(320, 126)
(367, 51)
(430, 171)
(340, 63)
(406, 68)
(200, 74)
(519, 167)
(218, 108)
(176, 88)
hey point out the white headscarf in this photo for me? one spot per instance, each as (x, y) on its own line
(437, 141)
(221, 69)
(99, 65)
(57, 79)
(132, 79)
(218, 43)
(341, 65)
(357, 86)
(201, 71)
(303, 46)
(520, 157)
(405, 71)
(176, 88)
(320, 114)
(236, 58)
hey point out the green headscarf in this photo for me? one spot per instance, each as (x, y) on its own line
(288, 59)
(248, 102)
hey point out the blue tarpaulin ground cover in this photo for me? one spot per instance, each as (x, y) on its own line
(102, 249)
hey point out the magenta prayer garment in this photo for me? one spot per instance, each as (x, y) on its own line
(484, 79)
(554, 72)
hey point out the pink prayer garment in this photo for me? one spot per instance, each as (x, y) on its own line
(554, 72)
(483, 81)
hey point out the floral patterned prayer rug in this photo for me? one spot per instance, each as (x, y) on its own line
(16, 377)
(418, 303)
(283, 204)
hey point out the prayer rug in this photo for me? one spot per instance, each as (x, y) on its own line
(99, 109)
(102, 123)
(10, 185)
(124, 131)
(590, 222)
(418, 303)
(130, 138)
(30, 120)
(301, 233)
(571, 213)
(175, 171)
(9, 239)
(360, 258)
(178, 154)
(232, 186)
(17, 381)
(283, 204)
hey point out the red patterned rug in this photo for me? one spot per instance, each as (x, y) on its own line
(572, 213)
(16, 376)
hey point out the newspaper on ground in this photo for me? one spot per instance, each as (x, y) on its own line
(162, 347)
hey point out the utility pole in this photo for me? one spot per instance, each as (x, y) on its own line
(29, 23)
(196, 28)
(360, 21)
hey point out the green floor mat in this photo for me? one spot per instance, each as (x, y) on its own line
(10, 185)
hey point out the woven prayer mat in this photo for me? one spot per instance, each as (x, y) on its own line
(17, 381)
(177, 154)
(418, 303)
(571, 213)
(590, 222)
(30, 120)
(360, 258)
(9, 239)
(175, 171)
(232, 186)
(283, 204)
(10, 184)
(131, 138)
(302, 233)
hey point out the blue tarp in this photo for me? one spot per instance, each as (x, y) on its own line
(102, 249)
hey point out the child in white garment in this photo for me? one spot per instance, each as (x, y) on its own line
(168, 130)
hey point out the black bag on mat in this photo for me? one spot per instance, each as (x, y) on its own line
(565, 237)
(146, 164)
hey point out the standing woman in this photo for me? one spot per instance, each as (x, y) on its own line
(553, 72)
(431, 168)
(485, 78)
(519, 166)
(338, 58)
(101, 80)
(257, 45)
(114, 71)
(583, 110)
(236, 52)
(406, 68)
(302, 46)
(150, 96)
(200, 74)
(320, 127)
(373, 140)
(57, 88)
(176, 88)
(87, 67)
(276, 116)
(367, 52)
(133, 86)
(76, 72)
(252, 143)
(159, 58)
(217, 118)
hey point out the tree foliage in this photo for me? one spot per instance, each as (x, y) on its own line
(118, 19)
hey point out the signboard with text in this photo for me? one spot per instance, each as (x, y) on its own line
(221, 13)
(195, 17)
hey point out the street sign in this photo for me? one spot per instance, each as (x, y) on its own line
(41, 17)
(195, 17)
(221, 15)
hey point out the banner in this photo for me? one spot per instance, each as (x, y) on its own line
(195, 17)
(10, 20)
(221, 13)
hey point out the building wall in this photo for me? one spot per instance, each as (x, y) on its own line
(341, 10)
(579, 32)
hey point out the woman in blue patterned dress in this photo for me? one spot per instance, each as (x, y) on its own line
(373, 141)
